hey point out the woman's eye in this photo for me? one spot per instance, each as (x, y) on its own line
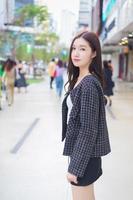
(82, 49)
(73, 48)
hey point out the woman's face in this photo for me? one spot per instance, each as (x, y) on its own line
(81, 54)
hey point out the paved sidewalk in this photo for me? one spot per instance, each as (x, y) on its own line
(31, 163)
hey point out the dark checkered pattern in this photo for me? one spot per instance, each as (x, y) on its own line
(86, 134)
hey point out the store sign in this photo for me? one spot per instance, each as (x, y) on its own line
(107, 8)
(111, 25)
(108, 29)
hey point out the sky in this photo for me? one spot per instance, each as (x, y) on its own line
(56, 6)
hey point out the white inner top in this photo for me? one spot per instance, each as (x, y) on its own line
(69, 105)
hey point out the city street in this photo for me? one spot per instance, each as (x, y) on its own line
(31, 163)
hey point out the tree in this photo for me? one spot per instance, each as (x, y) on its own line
(20, 43)
(49, 39)
(46, 37)
(31, 12)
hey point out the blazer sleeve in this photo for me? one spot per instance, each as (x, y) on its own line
(89, 115)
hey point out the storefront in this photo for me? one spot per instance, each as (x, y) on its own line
(117, 27)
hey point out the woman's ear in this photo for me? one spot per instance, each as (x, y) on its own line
(94, 54)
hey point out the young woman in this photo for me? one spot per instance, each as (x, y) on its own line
(59, 77)
(10, 80)
(83, 116)
(20, 77)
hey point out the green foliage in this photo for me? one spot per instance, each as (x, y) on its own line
(30, 12)
(40, 54)
(63, 53)
(49, 40)
(21, 41)
(21, 53)
(45, 38)
(31, 81)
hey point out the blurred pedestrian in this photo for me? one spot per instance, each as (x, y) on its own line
(59, 71)
(51, 71)
(20, 77)
(110, 65)
(109, 83)
(2, 73)
(10, 80)
(83, 116)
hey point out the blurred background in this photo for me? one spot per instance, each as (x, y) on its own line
(35, 37)
(37, 30)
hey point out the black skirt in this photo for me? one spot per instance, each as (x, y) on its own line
(92, 173)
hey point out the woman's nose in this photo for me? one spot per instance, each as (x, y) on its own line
(76, 53)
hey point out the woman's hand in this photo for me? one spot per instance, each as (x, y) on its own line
(72, 178)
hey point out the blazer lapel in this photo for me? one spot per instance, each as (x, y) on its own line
(64, 116)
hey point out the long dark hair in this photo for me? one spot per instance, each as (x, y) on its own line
(105, 64)
(60, 63)
(96, 64)
(9, 64)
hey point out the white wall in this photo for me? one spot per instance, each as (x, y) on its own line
(6, 12)
(115, 63)
(130, 67)
(125, 14)
(2, 13)
(68, 27)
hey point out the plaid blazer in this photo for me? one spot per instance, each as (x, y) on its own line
(86, 133)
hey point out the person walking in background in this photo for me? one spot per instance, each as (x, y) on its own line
(109, 83)
(51, 71)
(20, 77)
(83, 116)
(2, 73)
(59, 71)
(10, 80)
(110, 65)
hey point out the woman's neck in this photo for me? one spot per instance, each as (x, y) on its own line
(83, 73)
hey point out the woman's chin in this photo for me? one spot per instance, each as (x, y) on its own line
(75, 65)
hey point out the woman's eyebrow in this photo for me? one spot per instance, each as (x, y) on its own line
(81, 45)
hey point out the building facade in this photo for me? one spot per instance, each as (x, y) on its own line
(112, 20)
(68, 27)
(6, 12)
(40, 2)
(117, 36)
(21, 3)
(85, 14)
